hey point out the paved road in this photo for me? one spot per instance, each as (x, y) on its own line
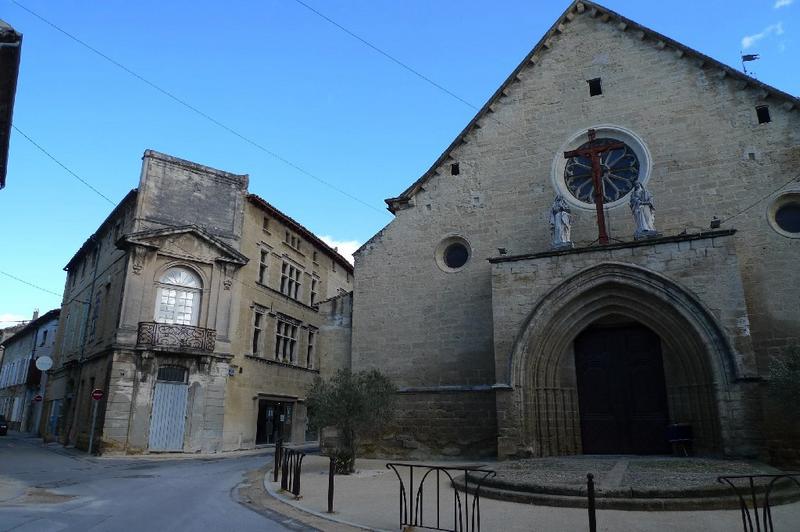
(53, 489)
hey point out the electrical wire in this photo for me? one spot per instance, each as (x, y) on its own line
(198, 111)
(409, 68)
(765, 196)
(62, 165)
(23, 281)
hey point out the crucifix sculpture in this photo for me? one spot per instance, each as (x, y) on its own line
(593, 152)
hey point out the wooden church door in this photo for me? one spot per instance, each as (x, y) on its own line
(621, 391)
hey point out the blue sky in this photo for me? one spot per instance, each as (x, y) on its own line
(282, 76)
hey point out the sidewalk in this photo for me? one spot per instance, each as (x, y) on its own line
(370, 499)
(32, 439)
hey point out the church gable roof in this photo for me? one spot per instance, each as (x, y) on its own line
(591, 9)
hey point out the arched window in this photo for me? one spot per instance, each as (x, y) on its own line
(178, 298)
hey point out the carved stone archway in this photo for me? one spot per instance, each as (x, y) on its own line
(700, 364)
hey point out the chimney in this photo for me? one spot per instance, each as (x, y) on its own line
(35, 314)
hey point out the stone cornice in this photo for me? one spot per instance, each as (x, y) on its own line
(617, 245)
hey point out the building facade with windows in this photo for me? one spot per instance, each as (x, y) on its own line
(155, 314)
(20, 380)
(278, 343)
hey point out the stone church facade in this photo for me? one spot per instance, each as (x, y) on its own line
(194, 308)
(502, 344)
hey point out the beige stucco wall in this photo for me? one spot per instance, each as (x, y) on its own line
(262, 376)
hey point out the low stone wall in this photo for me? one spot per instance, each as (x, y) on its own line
(439, 423)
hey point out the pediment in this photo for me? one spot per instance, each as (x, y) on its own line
(188, 241)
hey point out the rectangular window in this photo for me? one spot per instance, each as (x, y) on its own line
(178, 306)
(258, 320)
(290, 281)
(310, 352)
(314, 256)
(314, 283)
(44, 337)
(262, 267)
(285, 341)
(595, 88)
(265, 224)
(762, 111)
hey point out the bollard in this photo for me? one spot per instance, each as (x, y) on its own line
(330, 486)
(277, 459)
(590, 494)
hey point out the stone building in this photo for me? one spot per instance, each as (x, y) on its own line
(505, 341)
(20, 380)
(277, 343)
(10, 52)
(159, 309)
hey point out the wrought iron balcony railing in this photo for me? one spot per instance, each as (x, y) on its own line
(175, 336)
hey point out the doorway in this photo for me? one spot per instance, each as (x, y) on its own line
(274, 422)
(621, 391)
(168, 417)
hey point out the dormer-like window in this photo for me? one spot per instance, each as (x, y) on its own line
(178, 300)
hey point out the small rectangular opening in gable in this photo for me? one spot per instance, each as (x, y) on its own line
(762, 111)
(454, 169)
(595, 88)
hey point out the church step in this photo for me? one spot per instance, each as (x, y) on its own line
(652, 500)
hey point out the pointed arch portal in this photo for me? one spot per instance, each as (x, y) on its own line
(612, 355)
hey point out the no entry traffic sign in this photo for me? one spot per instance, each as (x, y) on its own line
(97, 394)
(37, 398)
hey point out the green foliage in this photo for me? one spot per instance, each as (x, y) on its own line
(357, 405)
(784, 378)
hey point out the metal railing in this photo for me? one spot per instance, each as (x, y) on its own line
(175, 336)
(747, 489)
(290, 463)
(466, 516)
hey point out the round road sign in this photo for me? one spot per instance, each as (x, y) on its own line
(37, 398)
(97, 394)
(44, 363)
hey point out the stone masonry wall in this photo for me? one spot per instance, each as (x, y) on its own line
(710, 157)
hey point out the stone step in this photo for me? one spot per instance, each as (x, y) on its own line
(643, 501)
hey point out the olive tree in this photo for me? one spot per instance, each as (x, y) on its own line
(357, 405)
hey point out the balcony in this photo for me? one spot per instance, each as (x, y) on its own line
(175, 337)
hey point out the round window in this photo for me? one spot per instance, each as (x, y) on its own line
(788, 217)
(452, 253)
(784, 214)
(622, 159)
(619, 169)
(455, 255)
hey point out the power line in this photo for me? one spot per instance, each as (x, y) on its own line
(407, 67)
(199, 112)
(23, 281)
(765, 196)
(62, 165)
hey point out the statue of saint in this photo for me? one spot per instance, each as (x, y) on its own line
(642, 209)
(560, 223)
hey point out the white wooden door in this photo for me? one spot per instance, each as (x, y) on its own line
(168, 419)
